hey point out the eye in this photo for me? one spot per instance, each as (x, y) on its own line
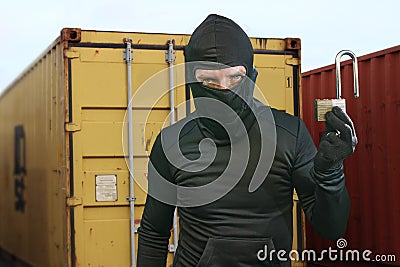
(207, 80)
(237, 77)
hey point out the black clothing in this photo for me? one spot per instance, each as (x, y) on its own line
(338, 141)
(232, 230)
(243, 222)
(220, 40)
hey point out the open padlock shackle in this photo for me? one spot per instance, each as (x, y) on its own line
(355, 73)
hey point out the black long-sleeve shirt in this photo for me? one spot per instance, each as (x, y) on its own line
(233, 229)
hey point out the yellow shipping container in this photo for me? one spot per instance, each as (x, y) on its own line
(64, 180)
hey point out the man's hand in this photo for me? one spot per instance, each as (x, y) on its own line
(338, 142)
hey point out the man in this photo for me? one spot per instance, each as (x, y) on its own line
(231, 223)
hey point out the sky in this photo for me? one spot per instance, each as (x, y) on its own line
(27, 28)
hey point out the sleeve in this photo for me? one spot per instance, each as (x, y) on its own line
(154, 231)
(323, 196)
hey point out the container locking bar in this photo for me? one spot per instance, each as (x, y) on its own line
(128, 57)
(170, 58)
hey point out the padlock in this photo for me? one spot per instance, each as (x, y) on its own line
(322, 106)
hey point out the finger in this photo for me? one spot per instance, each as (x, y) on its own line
(344, 117)
(329, 127)
(333, 138)
(344, 129)
(341, 114)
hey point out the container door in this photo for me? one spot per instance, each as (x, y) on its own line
(99, 182)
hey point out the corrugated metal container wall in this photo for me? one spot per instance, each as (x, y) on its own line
(63, 175)
(373, 171)
(32, 166)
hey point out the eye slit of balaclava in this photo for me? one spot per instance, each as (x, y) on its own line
(211, 80)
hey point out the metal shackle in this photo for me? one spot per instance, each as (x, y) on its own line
(355, 73)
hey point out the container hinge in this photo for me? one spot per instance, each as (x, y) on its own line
(293, 61)
(71, 54)
(72, 127)
(74, 201)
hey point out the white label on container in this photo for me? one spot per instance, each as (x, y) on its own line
(106, 188)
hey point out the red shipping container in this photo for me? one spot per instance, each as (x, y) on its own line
(373, 171)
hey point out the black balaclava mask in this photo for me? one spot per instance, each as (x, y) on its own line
(220, 41)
